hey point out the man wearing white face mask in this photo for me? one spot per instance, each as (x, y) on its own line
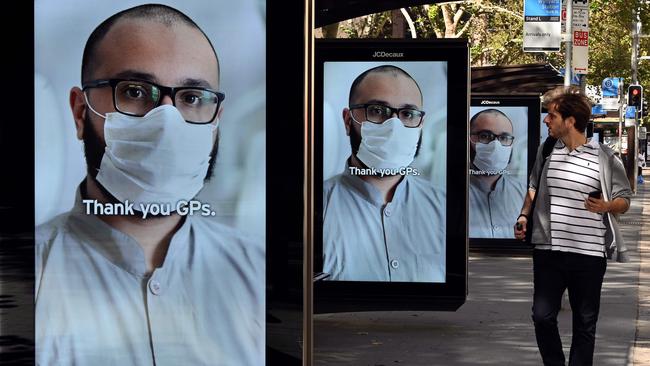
(381, 222)
(172, 288)
(494, 193)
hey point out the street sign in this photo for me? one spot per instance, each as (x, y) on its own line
(597, 110)
(580, 25)
(542, 25)
(580, 39)
(578, 16)
(611, 87)
(630, 116)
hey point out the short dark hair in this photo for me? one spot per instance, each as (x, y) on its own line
(379, 69)
(570, 102)
(490, 111)
(160, 13)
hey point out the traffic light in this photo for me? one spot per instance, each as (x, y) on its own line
(635, 96)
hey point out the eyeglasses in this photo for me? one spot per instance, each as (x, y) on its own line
(485, 137)
(137, 97)
(379, 113)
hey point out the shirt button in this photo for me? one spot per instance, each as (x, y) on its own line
(154, 287)
(387, 212)
(394, 263)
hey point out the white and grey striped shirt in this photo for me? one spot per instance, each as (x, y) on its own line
(571, 176)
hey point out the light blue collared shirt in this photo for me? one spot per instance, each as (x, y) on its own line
(365, 240)
(95, 304)
(493, 212)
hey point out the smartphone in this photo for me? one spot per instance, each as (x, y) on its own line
(595, 194)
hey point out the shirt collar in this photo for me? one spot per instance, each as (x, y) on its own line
(369, 192)
(590, 145)
(118, 247)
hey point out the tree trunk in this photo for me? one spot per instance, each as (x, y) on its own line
(397, 20)
(331, 30)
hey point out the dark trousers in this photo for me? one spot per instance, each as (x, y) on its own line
(582, 275)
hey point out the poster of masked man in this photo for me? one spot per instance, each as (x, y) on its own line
(497, 169)
(384, 169)
(149, 183)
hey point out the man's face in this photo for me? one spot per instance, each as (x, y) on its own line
(386, 88)
(494, 123)
(557, 126)
(176, 55)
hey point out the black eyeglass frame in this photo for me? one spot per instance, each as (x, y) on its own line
(392, 111)
(494, 136)
(165, 90)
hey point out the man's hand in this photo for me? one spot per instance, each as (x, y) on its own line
(597, 205)
(617, 206)
(520, 227)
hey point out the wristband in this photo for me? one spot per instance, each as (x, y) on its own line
(524, 215)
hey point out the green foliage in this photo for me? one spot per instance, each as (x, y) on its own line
(371, 26)
(494, 29)
(610, 41)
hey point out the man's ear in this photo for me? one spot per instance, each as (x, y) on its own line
(220, 111)
(215, 133)
(571, 121)
(79, 110)
(347, 120)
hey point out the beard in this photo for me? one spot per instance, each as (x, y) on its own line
(94, 151)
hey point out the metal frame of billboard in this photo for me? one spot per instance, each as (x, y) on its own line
(533, 103)
(345, 296)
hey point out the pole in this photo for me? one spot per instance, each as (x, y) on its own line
(620, 130)
(568, 45)
(620, 118)
(632, 131)
(636, 24)
(630, 165)
(583, 83)
(308, 186)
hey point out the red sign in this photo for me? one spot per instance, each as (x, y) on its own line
(581, 38)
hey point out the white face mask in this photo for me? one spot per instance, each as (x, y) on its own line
(158, 158)
(492, 157)
(388, 145)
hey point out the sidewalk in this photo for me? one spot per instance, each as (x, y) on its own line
(641, 349)
(494, 326)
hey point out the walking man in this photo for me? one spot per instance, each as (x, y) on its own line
(579, 189)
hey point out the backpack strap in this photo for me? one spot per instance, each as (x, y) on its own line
(549, 144)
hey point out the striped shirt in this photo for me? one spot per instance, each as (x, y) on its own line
(571, 176)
